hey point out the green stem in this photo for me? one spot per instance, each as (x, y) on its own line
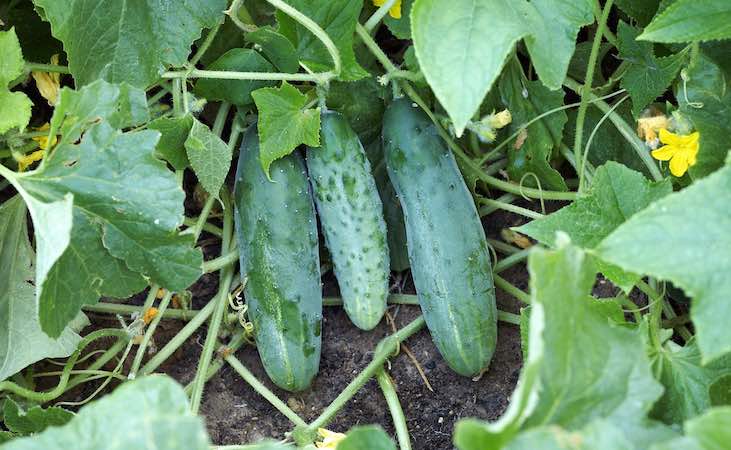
(222, 261)
(487, 210)
(36, 67)
(374, 48)
(586, 90)
(233, 13)
(98, 363)
(205, 44)
(624, 129)
(585, 157)
(502, 247)
(397, 413)
(511, 260)
(221, 116)
(122, 309)
(214, 230)
(47, 396)
(378, 15)
(177, 101)
(148, 333)
(655, 304)
(384, 349)
(232, 75)
(671, 315)
(588, 167)
(236, 343)
(512, 208)
(503, 284)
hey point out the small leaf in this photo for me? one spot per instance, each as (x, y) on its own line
(35, 419)
(150, 413)
(21, 340)
(647, 76)
(173, 133)
(284, 123)
(691, 20)
(14, 106)
(237, 92)
(276, 47)
(461, 46)
(684, 238)
(128, 42)
(209, 156)
(338, 19)
(369, 437)
(617, 193)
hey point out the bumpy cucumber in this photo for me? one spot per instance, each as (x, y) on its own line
(449, 257)
(277, 236)
(395, 227)
(351, 215)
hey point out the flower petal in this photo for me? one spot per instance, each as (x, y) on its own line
(664, 153)
(679, 164)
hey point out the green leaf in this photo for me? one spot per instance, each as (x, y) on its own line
(173, 133)
(401, 28)
(706, 101)
(553, 30)
(685, 238)
(33, 33)
(21, 340)
(35, 419)
(616, 194)
(361, 103)
(209, 156)
(641, 10)
(276, 47)
(707, 432)
(129, 42)
(581, 367)
(686, 381)
(690, 20)
(229, 36)
(526, 100)
(338, 19)
(284, 123)
(461, 46)
(720, 391)
(369, 437)
(124, 201)
(647, 76)
(150, 413)
(237, 92)
(14, 106)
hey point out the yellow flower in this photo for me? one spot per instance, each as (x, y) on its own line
(680, 150)
(43, 140)
(647, 128)
(395, 10)
(48, 83)
(330, 439)
(26, 160)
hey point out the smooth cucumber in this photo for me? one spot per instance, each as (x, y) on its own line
(277, 237)
(395, 226)
(450, 262)
(351, 215)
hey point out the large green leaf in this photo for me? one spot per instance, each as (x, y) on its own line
(150, 413)
(686, 381)
(706, 100)
(647, 76)
(237, 92)
(710, 431)
(124, 41)
(209, 156)
(526, 100)
(461, 46)
(338, 19)
(553, 30)
(126, 209)
(21, 340)
(583, 367)
(284, 123)
(368, 437)
(691, 20)
(14, 106)
(684, 237)
(616, 194)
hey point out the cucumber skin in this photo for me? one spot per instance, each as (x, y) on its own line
(351, 216)
(450, 262)
(395, 226)
(276, 230)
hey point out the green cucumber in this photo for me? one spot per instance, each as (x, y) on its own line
(450, 261)
(395, 226)
(276, 230)
(351, 215)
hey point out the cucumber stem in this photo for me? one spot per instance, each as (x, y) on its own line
(394, 406)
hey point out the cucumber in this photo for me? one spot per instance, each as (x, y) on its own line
(276, 230)
(351, 215)
(450, 262)
(395, 227)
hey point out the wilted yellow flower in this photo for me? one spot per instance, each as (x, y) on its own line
(25, 161)
(395, 10)
(48, 83)
(648, 127)
(680, 150)
(330, 439)
(149, 314)
(43, 140)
